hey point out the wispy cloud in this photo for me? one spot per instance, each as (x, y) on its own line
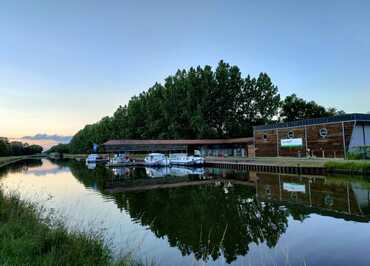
(56, 138)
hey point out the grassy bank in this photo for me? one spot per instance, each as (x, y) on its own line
(27, 238)
(360, 166)
(10, 159)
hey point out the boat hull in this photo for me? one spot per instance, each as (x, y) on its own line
(156, 163)
(189, 162)
(96, 161)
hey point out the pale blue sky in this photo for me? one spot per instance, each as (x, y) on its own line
(64, 64)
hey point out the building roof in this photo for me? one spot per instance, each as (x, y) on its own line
(315, 121)
(177, 141)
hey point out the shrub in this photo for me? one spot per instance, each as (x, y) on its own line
(359, 153)
(28, 239)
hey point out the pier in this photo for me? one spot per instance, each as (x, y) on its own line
(258, 167)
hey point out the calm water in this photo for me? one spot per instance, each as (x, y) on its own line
(182, 216)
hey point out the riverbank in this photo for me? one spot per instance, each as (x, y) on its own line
(10, 159)
(31, 236)
(276, 164)
(294, 165)
(361, 167)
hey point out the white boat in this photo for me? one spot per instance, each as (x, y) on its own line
(197, 160)
(119, 159)
(93, 158)
(180, 159)
(156, 159)
(184, 159)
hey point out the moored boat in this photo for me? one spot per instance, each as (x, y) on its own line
(120, 160)
(95, 158)
(197, 160)
(156, 159)
(184, 159)
(180, 159)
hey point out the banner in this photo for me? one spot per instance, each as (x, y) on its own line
(291, 143)
(293, 187)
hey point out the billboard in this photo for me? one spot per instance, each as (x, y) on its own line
(292, 143)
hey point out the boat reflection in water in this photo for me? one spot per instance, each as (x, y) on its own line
(157, 172)
(173, 171)
(225, 213)
(219, 216)
(318, 194)
(121, 171)
(91, 166)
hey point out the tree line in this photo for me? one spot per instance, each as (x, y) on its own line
(17, 148)
(198, 103)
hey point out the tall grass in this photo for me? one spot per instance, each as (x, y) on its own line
(29, 237)
(355, 166)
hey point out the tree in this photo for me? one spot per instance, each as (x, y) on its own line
(295, 108)
(194, 103)
(258, 103)
(61, 148)
(4, 147)
(17, 148)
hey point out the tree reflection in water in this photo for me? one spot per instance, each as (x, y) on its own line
(206, 221)
(20, 166)
(222, 217)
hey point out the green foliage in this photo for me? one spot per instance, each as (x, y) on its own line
(28, 239)
(295, 108)
(348, 165)
(359, 153)
(16, 148)
(195, 103)
(199, 103)
(61, 148)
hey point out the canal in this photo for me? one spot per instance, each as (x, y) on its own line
(205, 216)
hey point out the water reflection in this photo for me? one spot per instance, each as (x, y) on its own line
(20, 166)
(91, 166)
(205, 221)
(214, 214)
(327, 196)
(222, 212)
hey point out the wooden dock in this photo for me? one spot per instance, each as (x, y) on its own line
(264, 167)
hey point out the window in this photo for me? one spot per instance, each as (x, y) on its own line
(290, 134)
(323, 132)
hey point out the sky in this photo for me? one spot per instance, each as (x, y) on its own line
(65, 64)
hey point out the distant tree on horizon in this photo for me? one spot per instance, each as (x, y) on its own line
(17, 148)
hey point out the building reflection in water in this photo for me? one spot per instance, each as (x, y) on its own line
(223, 212)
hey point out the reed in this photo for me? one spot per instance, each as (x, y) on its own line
(29, 236)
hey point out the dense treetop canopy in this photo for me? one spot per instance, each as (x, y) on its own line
(197, 103)
(295, 108)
